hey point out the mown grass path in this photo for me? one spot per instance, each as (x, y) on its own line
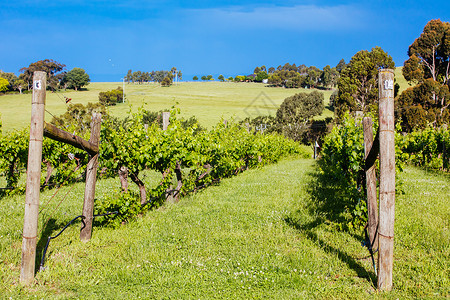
(253, 236)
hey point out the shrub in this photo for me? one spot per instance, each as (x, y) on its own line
(296, 110)
(111, 97)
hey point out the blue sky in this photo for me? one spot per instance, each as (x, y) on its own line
(106, 38)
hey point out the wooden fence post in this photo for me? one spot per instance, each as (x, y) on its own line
(387, 179)
(33, 178)
(91, 178)
(166, 117)
(371, 185)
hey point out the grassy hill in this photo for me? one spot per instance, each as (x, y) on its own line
(208, 101)
(256, 235)
(400, 79)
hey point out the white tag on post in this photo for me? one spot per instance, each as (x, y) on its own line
(389, 84)
(37, 85)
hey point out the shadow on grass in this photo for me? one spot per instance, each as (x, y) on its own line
(331, 198)
(330, 107)
(328, 205)
(50, 226)
(327, 247)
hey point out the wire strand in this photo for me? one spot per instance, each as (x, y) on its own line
(61, 185)
(60, 202)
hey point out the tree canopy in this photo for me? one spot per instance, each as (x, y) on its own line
(358, 84)
(76, 78)
(341, 65)
(429, 54)
(329, 77)
(261, 75)
(428, 66)
(51, 67)
(15, 83)
(295, 112)
(3, 84)
(300, 107)
(422, 105)
(11, 77)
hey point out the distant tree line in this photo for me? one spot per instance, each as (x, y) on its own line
(293, 76)
(57, 77)
(205, 78)
(289, 76)
(163, 77)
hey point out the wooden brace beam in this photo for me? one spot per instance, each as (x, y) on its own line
(53, 132)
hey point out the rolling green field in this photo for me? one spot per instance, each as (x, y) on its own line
(208, 101)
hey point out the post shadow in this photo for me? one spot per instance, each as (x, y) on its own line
(351, 262)
(49, 228)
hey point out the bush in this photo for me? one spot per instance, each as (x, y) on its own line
(77, 117)
(166, 81)
(296, 110)
(112, 97)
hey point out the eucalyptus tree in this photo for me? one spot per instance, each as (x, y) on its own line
(358, 84)
(429, 54)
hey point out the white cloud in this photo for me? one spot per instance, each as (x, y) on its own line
(298, 18)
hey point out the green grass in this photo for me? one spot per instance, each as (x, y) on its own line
(400, 79)
(208, 101)
(256, 235)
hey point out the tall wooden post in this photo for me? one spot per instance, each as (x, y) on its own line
(33, 178)
(371, 185)
(166, 117)
(91, 178)
(387, 179)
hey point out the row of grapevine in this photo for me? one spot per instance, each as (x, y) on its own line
(57, 163)
(340, 187)
(186, 158)
(427, 148)
(341, 181)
